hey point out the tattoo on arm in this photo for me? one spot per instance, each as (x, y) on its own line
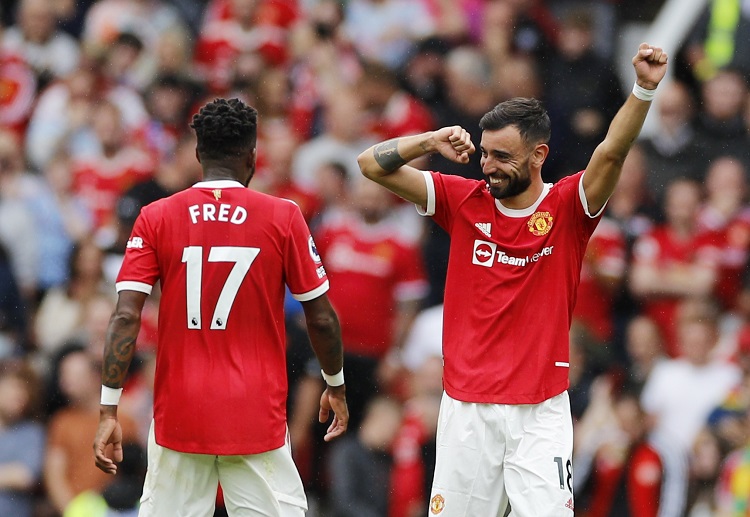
(118, 354)
(386, 154)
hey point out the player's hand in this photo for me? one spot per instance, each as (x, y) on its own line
(454, 143)
(650, 65)
(334, 399)
(109, 432)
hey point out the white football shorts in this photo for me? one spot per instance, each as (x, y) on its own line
(184, 485)
(493, 455)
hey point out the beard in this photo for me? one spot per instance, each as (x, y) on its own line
(516, 184)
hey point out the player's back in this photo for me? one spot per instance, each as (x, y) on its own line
(223, 254)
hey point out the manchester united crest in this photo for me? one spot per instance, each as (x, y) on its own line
(540, 223)
(437, 503)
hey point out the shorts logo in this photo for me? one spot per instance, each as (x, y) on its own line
(569, 504)
(540, 223)
(437, 503)
(313, 250)
(484, 252)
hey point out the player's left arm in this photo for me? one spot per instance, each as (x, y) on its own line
(603, 170)
(119, 348)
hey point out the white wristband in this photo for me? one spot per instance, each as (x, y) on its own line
(642, 93)
(110, 396)
(335, 379)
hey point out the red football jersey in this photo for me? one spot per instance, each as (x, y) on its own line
(662, 249)
(372, 269)
(223, 254)
(510, 288)
(605, 255)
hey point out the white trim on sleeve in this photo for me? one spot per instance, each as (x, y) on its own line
(430, 209)
(133, 286)
(311, 295)
(584, 201)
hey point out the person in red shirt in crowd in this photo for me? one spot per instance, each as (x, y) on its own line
(726, 212)
(394, 112)
(103, 176)
(601, 275)
(223, 255)
(18, 85)
(378, 276)
(619, 472)
(516, 251)
(236, 27)
(674, 261)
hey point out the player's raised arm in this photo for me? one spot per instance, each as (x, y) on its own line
(119, 347)
(385, 163)
(604, 168)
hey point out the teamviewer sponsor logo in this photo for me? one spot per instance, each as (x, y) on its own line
(484, 253)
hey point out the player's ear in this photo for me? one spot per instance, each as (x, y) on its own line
(197, 156)
(539, 155)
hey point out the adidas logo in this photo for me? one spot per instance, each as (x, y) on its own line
(485, 228)
(569, 504)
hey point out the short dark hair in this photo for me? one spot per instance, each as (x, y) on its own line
(527, 115)
(225, 128)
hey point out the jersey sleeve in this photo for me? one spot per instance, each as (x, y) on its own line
(303, 267)
(140, 267)
(445, 193)
(571, 189)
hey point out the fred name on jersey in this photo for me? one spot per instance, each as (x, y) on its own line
(223, 213)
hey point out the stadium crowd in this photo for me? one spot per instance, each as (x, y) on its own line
(95, 103)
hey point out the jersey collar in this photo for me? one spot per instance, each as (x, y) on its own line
(523, 212)
(219, 184)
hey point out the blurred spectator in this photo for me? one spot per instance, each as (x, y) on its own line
(720, 127)
(726, 211)
(393, 111)
(672, 150)
(645, 350)
(19, 233)
(237, 28)
(674, 261)
(13, 313)
(67, 465)
(424, 339)
(602, 276)
(63, 219)
(22, 439)
(113, 165)
(169, 101)
(275, 175)
(387, 30)
(342, 141)
(422, 74)
(529, 26)
(50, 52)
(582, 93)
(18, 86)
(323, 62)
(585, 364)
(64, 112)
(62, 310)
(720, 39)
(618, 471)
(733, 490)
(414, 445)
(332, 187)
(705, 462)
(107, 19)
(680, 393)
(361, 463)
